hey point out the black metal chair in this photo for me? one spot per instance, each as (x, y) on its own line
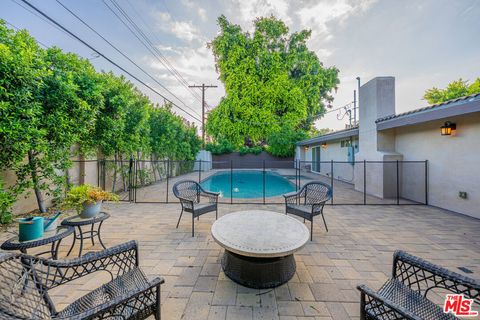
(404, 296)
(190, 193)
(25, 281)
(308, 202)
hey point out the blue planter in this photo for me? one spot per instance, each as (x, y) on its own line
(30, 228)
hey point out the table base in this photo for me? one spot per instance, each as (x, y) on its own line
(258, 273)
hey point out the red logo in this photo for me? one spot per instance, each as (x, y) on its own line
(458, 305)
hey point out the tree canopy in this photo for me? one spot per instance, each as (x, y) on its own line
(51, 101)
(455, 89)
(273, 83)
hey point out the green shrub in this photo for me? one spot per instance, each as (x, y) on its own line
(7, 199)
(253, 150)
(85, 193)
(222, 147)
(282, 143)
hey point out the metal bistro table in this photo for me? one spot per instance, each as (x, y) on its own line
(79, 234)
(50, 237)
(259, 246)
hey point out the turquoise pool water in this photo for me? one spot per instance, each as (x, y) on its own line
(248, 184)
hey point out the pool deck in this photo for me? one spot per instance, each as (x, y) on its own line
(357, 249)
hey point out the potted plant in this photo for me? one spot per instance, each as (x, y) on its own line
(87, 200)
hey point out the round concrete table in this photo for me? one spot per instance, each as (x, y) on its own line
(259, 246)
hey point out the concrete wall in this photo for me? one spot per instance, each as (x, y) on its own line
(377, 99)
(251, 161)
(79, 173)
(333, 151)
(454, 162)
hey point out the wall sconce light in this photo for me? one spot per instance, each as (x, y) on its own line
(306, 148)
(324, 145)
(447, 128)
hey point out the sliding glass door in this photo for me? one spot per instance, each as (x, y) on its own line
(316, 159)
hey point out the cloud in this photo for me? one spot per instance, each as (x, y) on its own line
(202, 13)
(320, 15)
(245, 12)
(183, 30)
(196, 65)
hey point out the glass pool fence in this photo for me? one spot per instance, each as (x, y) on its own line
(259, 182)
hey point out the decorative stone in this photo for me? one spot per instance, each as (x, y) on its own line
(259, 247)
(259, 233)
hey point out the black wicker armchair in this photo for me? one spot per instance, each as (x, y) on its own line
(404, 296)
(25, 281)
(308, 202)
(190, 193)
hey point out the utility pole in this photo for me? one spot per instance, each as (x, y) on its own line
(203, 87)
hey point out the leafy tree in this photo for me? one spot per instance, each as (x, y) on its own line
(271, 80)
(21, 74)
(51, 101)
(70, 98)
(282, 143)
(222, 146)
(455, 89)
(314, 132)
(48, 103)
(7, 199)
(171, 136)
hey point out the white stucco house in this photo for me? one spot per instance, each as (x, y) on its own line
(446, 171)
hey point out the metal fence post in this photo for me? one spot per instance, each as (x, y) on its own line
(426, 182)
(398, 186)
(136, 182)
(297, 173)
(98, 172)
(364, 181)
(264, 181)
(299, 178)
(200, 171)
(130, 178)
(331, 179)
(168, 173)
(104, 174)
(231, 181)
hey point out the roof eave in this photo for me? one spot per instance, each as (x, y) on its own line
(440, 112)
(329, 137)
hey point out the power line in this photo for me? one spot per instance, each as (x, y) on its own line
(203, 87)
(105, 57)
(119, 51)
(173, 70)
(261, 123)
(146, 41)
(40, 17)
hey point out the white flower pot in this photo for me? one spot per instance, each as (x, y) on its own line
(91, 210)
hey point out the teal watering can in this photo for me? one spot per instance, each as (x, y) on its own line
(33, 227)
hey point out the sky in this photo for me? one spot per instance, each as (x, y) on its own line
(422, 43)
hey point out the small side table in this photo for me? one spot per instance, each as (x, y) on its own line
(80, 234)
(50, 237)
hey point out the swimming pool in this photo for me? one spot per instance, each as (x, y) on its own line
(248, 184)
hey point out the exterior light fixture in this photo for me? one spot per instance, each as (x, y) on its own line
(306, 148)
(324, 145)
(447, 128)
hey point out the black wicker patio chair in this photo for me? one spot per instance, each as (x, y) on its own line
(190, 193)
(404, 296)
(308, 202)
(26, 280)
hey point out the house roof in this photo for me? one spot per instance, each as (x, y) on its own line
(340, 134)
(455, 107)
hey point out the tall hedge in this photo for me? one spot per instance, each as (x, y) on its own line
(51, 100)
